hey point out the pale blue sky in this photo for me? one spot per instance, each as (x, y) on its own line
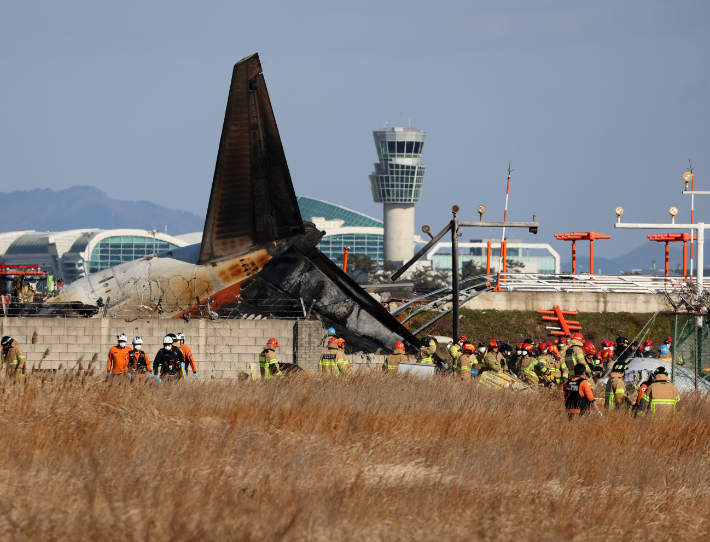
(597, 104)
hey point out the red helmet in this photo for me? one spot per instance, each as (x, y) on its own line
(562, 340)
(468, 348)
(341, 342)
(607, 344)
(462, 339)
(399, 345)
(669, 340)
(274, 342)
(333, 340)
(648, 343)
(589, 348)
(528, 347)
(578, 337)
(549, 344)
(494, 343)
(542, 347)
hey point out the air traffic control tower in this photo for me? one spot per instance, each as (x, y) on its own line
(397, 183)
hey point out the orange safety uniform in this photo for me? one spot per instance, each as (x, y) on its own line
(578, 396)
(138, 363)
(187, 354)
(118, 359)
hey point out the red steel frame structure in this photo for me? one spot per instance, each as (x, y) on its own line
(582, 236)
(672, 238)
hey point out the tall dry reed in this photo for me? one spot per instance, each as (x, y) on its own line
(369, 457)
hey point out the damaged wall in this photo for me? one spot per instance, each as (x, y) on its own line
(221, 348)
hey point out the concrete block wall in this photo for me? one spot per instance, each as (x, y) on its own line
(222, 348)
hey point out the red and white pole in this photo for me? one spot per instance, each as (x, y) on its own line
(505, 219)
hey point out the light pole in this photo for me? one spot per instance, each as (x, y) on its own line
(454, 226)
(700, 228)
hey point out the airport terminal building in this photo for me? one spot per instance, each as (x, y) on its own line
(70, 255)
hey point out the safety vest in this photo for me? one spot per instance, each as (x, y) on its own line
(140, 363)
(576, 403)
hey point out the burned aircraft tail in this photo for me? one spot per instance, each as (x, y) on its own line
(253, 204)
(252, 200)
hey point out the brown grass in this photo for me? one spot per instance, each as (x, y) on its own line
(360, 458)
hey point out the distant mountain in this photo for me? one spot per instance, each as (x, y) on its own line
(640, 258)
(83, 207)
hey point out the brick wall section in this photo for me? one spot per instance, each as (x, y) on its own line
(222, 348)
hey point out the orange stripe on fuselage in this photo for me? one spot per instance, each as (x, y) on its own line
(232, 273)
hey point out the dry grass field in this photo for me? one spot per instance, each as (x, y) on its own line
(361, 458)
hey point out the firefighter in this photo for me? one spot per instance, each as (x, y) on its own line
(13, 357)
(668, 342)
(493, 359)
(647, 351)
(392, 361)
(616, 397)
(169, 362)
(478, 363)
(455, 349)
(664, 352)
(579, 398)
(138, 362)
(187, 354)
(534, 370)
(662, 398)
(118, 357)
(607, 355)
(328, 362)
(591, 359)
(574, 353)
(463, 368)
(506, 351)
(561, 374)
(427, 350)
(553, 374)
(622, 351)
(520, 359)
(343, 361)
(268, 364)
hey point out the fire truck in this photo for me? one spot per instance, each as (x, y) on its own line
(25, 283)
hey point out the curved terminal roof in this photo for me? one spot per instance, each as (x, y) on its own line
(311, 207)
(81, 242)
(29, 243)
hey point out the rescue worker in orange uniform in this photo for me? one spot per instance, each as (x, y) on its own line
(493, 360)
(579, 398)
(13, 358)
(187, 354)
(138, 362)
(328, 362)
(343, 361)
(391, 364)
(118, 357)
(662, 398)
(615, 397)
(268, 364)
(463, 366)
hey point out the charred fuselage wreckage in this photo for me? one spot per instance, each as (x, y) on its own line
(257, 256)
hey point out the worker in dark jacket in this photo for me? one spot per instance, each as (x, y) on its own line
(169, 361)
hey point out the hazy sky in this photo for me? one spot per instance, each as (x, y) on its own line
(597, 104)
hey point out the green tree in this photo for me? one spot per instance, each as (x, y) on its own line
(361, 267)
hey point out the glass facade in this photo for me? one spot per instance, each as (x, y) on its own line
(311, 207)
(117, 250)
(399, 175)
(365, 244)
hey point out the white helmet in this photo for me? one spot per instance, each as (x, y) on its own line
(168, 340)
(137, 340)
(181, 336)
(123, 338)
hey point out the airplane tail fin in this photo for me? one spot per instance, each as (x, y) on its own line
(252, 200)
